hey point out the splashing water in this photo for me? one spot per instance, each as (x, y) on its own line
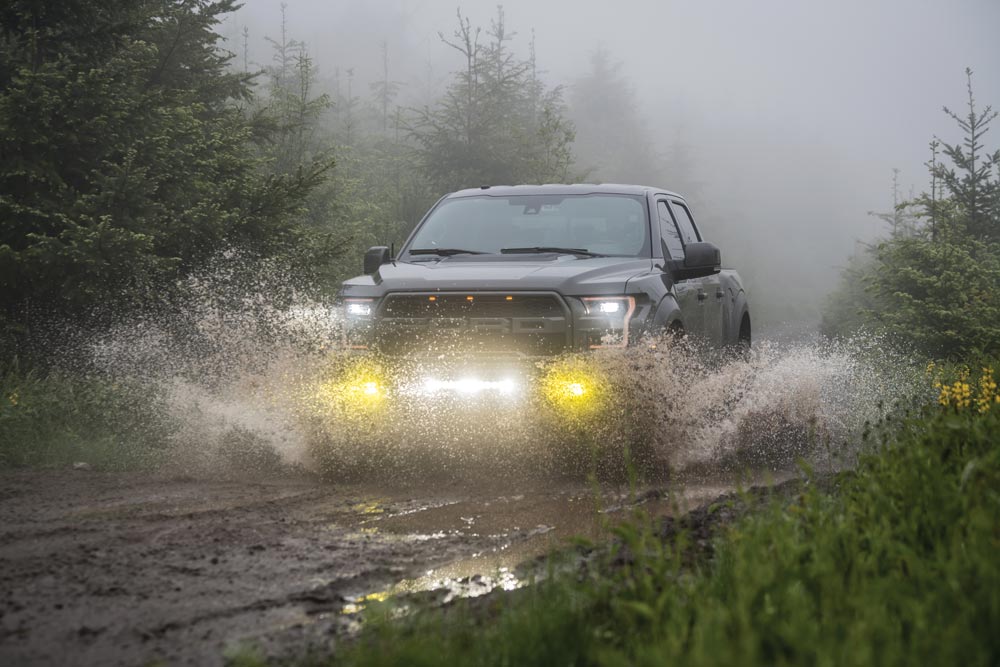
(786, 401)
(243, 368)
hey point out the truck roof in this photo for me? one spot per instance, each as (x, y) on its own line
(560, 189)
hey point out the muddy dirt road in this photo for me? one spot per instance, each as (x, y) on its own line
(107, 569)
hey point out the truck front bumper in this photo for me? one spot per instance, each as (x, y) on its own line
(360, 385)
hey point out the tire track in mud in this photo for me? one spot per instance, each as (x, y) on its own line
(108, 568)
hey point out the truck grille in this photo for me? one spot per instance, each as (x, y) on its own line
(480, 305)
(534, 324)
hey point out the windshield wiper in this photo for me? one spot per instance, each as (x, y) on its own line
(444, 252)
(543, 249)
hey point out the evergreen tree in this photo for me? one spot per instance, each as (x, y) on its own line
(904, 218)
(934, 284)
(295, 112)
(941, 297)
(494, 124)
(385, 90)
(612, 141)
(126, 154)
(974, 180)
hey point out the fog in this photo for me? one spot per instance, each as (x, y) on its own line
(790, 116)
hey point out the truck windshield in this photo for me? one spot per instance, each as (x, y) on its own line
(602, 224)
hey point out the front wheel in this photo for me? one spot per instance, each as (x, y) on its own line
(741, 348)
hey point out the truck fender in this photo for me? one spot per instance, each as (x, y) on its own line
(666, 316)
(740, 310)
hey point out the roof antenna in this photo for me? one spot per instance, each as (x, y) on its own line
(484, 187)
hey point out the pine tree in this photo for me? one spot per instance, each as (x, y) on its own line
(937, 287)
(385, 90)
(296, 113)
(974, 180)
(903, 219)
(494, 124)
(612, 141)
(127, 155)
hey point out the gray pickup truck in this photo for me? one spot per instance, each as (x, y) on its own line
(539, 270)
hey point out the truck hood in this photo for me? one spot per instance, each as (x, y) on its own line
(565, 274)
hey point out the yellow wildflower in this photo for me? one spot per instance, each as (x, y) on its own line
(966, 392)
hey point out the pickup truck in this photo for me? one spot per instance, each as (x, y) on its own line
(541, 270)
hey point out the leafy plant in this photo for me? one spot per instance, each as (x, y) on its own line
(57, 419)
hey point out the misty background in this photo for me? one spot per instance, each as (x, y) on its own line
(782, 121)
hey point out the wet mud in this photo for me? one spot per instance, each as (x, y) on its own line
(125, 569)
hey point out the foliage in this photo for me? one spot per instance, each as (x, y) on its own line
(496, 123)
(942, 297)
(961, 391)
(896, 567)
(972, 183)
(846, 307)
(58, 419)
(293, 121)
(934, 284)
(126, 155)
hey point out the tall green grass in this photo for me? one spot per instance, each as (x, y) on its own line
(53, 419)
(899, 566)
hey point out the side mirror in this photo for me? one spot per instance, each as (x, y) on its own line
(376, 257)
(700, 260)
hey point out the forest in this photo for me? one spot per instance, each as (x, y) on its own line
(137, 148)
(158, 179)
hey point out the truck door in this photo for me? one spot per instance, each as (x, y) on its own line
(709, 293)
(685, 291)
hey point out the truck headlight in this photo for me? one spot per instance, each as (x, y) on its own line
(609, 317)
(357, 308)
(358, 323)
(614, 306)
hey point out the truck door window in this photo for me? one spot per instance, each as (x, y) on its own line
(685, 223)
(668, 231)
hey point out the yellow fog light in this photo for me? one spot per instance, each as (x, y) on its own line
(573, 387)
(361, 391)
(357, 388)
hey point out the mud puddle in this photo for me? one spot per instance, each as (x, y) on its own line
(124, 569)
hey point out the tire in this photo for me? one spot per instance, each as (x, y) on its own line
(745, 338)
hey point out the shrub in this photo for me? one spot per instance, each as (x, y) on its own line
(56, 419)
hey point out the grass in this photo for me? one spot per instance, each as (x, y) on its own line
(899, 566)
(52, 419)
